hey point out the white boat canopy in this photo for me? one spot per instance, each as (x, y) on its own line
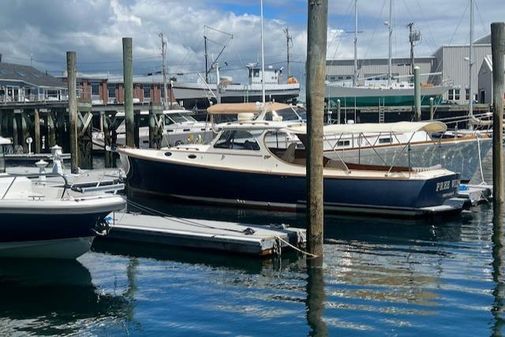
(395, 128)
(236, 108)
(5, 141)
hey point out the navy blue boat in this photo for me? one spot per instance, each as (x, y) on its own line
(239, 169)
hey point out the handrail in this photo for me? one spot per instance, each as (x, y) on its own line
(34, 175)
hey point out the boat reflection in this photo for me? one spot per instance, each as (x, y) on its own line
(57, 297)
(245, 263)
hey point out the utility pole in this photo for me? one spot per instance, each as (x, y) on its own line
(289, 39)
(414, 36)
(164, 71)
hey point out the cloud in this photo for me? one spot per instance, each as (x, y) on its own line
(40, 32)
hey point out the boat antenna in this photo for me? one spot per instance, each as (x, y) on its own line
(164, 71)
(289, 39)
(262, 58)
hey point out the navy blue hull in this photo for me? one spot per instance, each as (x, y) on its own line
(266, 190)
(36, 227)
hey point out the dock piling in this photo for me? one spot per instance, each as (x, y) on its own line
(316, 71)
(498, 54)
(432, 109)
(72, 109)
(128, 91)
(36, 122)
(417, 94)
(339, 110)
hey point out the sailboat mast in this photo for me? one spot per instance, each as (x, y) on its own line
(355, 78)
(390, 26)
(470, 63)
(262, 59)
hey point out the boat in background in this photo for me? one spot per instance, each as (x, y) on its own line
(200, 94)
(179, 127)
(379, 91)
(238, 168)
(42, 220)
(402, 143)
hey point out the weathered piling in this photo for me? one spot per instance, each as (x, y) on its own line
(72, 110)
(85, 136)
(315, 299)
(339, 110)
(417, 94)
(432, 108)
(498, 53)
(128, 91)
(316, 71)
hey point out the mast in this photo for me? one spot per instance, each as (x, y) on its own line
(470, 63)
(262, 58)
(206, 59)
(390, 27)
(355, 78)
(289, 38)
(164, 71)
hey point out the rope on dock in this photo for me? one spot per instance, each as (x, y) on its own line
(247, 231)
(296, 248)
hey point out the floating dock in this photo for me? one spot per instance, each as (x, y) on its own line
(206, 234)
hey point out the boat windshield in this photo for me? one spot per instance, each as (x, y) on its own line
(288, 114)
(237, 140)
(179, 118)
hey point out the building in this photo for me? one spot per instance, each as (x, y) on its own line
(485, 80)
(448, 66)
(452, 61)
(20, 83)
(376, 70)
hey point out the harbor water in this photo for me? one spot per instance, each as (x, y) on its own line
(381, 277)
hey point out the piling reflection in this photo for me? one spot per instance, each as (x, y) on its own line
(498, 271)
(57, 297)
(315, 298)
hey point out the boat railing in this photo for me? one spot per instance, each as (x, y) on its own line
(34, 175)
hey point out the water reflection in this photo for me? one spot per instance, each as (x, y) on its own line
(52, 298)
(315, 298)
(498, 272)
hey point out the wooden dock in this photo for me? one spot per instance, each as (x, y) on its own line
(206, 234)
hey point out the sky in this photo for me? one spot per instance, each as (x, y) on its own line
(39, 33)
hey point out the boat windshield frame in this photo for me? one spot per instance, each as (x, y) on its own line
(2, 158)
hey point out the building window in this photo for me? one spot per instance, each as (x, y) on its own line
(95, 89)
(454, 95)
(147, 90)
(111, 88)
(467, 94)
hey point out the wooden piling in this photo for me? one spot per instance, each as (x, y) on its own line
(155, 126)
(25, 130)
(432, 108)
(72, 109)
(128, 91)
(316, 71)
(107, 139)
(36, 131)
(498, 54)
(417, 94)
(339, 110)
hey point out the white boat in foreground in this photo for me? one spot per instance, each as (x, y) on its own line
(39, 220)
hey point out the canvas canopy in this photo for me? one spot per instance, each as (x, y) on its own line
(236, 108)
(395, 128)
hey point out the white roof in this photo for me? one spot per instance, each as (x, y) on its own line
(399, 127)
(5, 141)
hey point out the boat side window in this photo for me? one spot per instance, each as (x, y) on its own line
(237, 140)
(178, 118)
(144, 121)
(168, 121)
(268, 116)
(385, 140)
